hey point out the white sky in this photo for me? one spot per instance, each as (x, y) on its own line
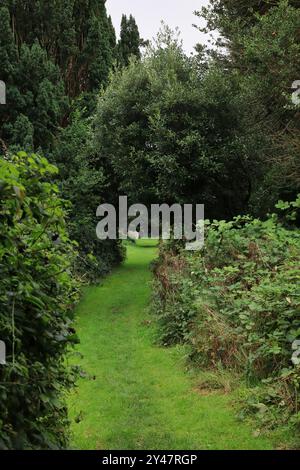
(150, 13)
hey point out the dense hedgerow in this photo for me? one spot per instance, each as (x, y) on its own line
(37, 295)
(237, 304)
(86, 186)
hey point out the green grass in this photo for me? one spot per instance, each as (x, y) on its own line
(147, 242)
(139, 395)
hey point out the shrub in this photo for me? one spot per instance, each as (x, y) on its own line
(85, 186)
(237, 303)
(165, 131)
(37, 295)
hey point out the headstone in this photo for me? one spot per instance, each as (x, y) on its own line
(2, 92)
(2, 353)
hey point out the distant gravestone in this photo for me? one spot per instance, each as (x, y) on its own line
(133, 235)
(2, 92)
(2, 353)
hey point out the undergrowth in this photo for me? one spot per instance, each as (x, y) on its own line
(236, 304)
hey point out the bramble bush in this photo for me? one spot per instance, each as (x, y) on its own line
(37, 296)
(237, 304)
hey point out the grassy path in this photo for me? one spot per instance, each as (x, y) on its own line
(140, 396)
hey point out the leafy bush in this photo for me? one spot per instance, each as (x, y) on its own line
(237, 303)
(37, 295)
(84, 183)
(261, 50)
(166, 132)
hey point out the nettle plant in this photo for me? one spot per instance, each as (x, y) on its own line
(237, 303)
(37, 296)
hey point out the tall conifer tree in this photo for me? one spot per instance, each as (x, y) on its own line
(130, 40)
(50, 52)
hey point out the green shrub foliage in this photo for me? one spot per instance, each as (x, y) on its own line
(86, 186)
(261, 39)
(167, 133)
(237, 302)
(37, 295)
(54, 58)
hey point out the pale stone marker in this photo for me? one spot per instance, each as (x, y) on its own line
(2, 353)
(2, 92)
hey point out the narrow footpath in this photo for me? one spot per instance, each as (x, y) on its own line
(139, 395)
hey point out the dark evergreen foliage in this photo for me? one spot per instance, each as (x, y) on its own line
(130, 41)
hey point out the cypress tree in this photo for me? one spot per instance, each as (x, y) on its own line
(35, 92)
(130, 41)
(50, 52)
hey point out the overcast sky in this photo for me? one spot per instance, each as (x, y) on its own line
(150, 13)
